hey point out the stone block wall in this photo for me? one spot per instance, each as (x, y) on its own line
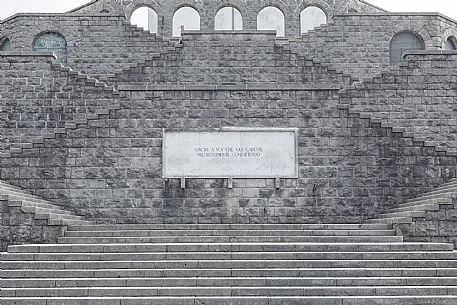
(358, 44)
(18, 227)
(110, 170)
(98, 45)
(207, 10)
(103, 45)
(235, 59)
(38, 97)
(420, 97)
(437, 226)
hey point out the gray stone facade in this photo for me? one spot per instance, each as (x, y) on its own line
(87, 136)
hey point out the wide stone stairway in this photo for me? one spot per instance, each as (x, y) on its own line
(230, 264)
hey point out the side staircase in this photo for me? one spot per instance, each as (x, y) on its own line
(215, 264)
(41, 208)
(432, 201)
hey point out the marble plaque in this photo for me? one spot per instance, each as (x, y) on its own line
(231, 153)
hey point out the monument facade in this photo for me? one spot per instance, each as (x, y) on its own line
(242, 124)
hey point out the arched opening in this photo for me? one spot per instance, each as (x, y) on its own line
(186, 18)
(146, 18)
(271, 18)
(312, 17)
(352, 11)
(5, 45)
(104, 11)
(53, 42)
(228, 19)
(404, 41)
(450, 44)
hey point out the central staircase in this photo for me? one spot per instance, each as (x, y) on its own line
(319, 264)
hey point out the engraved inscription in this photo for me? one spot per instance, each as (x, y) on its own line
(236, 153)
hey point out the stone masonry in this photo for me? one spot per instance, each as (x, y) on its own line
(87, 136)
(89, 217)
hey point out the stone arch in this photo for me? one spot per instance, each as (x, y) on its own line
(311, 17)
(402, 41)
(52, 27)
(272, 18)
(5, 44)
(450, 43)
(53, 42)
(104, 11)
(153, 5)
(146, 18)
(136, 4)
(352, 10)
(451, 34)
(222, 20)
(187, 16)
(295, 20)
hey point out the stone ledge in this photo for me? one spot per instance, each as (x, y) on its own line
(397, 14)
(28, 54)
(265, 87)
(66, 15)
(429, 52)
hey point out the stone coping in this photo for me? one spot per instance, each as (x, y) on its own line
(83, 6)
(367, 3)
(71, 15)
(28, 57)
(429, 52)
(393, 14)
(226, 32)
(262, 87)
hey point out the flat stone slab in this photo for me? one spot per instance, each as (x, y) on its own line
(231, 153)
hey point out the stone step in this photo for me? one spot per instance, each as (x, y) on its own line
(232, 247)
(226, 239)
(14, 190)
(124, 227)
(163, 233)
(226, 264)
(231, 272)
(228, 291)
(4, 185)
(106, 256)
(452, 182)
(218, 300)
(390, 221)
(436, 195)
(48, 205)
(19, 197)
(412, 214)
(418, 201)
(68, 222)
(56, 216)
(40, 210)
(420, 207)
(229, 281)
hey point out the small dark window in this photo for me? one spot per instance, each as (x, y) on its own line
(450, 44)
(104, 11)
(53, 42)
(5, 44)
(404, 41)
(352, 11)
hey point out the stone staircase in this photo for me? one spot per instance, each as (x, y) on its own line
(418, 207)
(41, 208)
(79, 118)
(230, 264)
